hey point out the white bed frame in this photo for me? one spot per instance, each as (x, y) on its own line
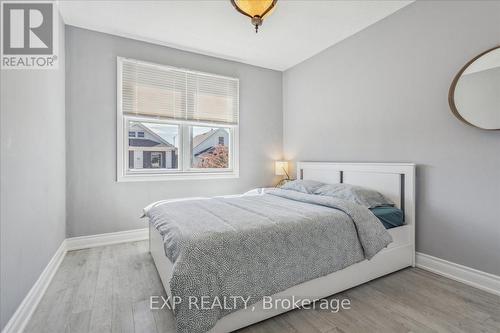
(394, 180)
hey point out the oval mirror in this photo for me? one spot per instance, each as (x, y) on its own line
(475, 92)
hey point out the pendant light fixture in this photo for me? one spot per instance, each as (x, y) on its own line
(255, 9)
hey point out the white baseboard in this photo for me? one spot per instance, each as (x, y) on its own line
(85, 242)
(20, 318)
(470, 276)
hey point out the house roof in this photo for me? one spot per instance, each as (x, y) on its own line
(153, 134)
(197, 140)
(143, 143)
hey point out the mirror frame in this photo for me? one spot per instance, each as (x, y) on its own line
(451, 93)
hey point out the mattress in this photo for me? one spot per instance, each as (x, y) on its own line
(400, 237)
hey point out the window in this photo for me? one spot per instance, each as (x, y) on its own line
(181, 124)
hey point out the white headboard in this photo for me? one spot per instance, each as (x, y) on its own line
(394, 180)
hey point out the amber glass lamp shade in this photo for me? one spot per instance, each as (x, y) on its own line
(255, 9)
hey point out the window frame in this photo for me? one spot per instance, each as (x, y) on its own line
(184, 154)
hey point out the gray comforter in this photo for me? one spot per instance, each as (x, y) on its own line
(258, 245)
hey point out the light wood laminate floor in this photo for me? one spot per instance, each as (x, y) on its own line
(107, 289)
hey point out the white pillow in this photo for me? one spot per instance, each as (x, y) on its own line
(357, 194)
(304, 186)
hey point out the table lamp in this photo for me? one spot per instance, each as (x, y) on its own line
(281, 169)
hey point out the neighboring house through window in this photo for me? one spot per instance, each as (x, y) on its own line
(208, 148)
(181, 124)
(150, 151)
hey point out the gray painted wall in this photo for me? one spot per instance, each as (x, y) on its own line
(381, 95)
(96, 202)
(32, 191)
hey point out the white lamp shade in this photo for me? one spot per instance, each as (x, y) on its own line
(281, 168)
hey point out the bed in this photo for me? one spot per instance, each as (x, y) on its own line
(396, 181)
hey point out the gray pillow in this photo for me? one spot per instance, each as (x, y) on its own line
(304, 186)
(357, 194)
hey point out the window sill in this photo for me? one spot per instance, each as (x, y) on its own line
(176, 176)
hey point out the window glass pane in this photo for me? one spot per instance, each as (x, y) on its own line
(155, 147)
(210, 147)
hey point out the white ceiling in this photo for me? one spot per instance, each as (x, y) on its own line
(295, 31)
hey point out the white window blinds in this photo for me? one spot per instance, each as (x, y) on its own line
(164, 92)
